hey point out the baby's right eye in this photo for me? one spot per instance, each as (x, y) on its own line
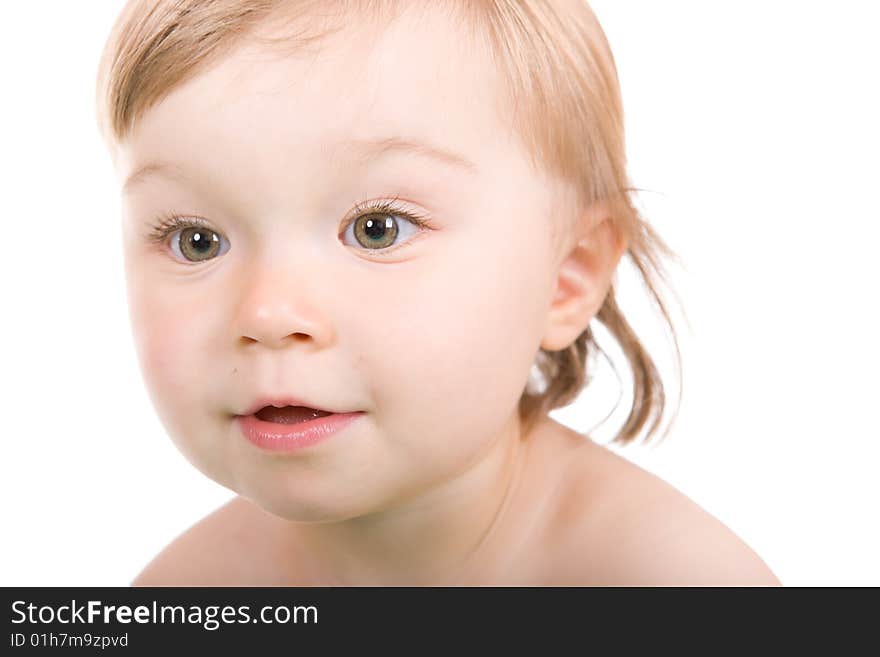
(196, 242)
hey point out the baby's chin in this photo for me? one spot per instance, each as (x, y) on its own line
(300, 502)
(286, 507)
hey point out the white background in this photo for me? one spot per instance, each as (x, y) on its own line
(754, 125)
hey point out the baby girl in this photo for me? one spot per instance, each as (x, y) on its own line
(411, 214)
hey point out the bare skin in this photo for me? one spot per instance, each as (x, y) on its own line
(432, 342)
(600, 521)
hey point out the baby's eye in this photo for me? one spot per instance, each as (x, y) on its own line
(191, 239)
(375, 227)
(378, 229)
(197, 244)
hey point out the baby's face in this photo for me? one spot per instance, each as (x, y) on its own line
(431, 332)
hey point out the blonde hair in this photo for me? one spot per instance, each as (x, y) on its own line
(565, 97)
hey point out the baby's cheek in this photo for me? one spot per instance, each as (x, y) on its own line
(163, 339)
(160, 350)
(179, 386)
(500, 303)
(456, 352)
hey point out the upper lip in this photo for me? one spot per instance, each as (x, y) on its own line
(281, 402)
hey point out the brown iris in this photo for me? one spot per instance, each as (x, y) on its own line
(198, 243)
(375, 230)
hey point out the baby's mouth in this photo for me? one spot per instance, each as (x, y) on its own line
(289, 414)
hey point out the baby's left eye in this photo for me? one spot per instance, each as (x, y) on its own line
(377, 231)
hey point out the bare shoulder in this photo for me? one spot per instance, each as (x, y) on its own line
(617, 524)
(211, 552)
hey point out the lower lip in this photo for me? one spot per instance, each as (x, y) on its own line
(277, 437)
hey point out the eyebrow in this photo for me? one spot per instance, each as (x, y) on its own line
(364, 149)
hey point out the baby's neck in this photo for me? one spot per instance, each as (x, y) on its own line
(443, 536)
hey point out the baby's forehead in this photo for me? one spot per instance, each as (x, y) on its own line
(423, 54)
(418, 80)
(420, 67)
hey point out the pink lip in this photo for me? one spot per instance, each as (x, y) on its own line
(281, 402)
(277, 437)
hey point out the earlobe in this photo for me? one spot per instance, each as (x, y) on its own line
(583, 280)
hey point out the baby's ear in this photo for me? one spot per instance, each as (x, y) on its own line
(584, 277)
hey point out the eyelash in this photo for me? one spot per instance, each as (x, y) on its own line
(167, 224)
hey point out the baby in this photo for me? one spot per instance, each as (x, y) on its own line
(407, 210)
